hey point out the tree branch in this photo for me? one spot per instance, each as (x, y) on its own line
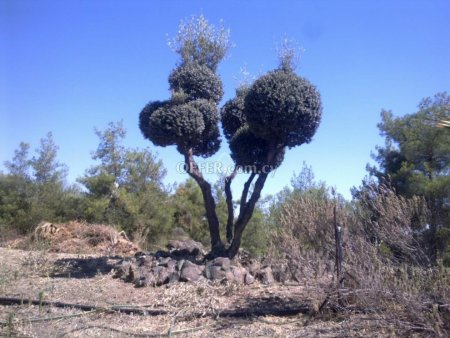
(246, 214)
(192, 169)
(229, 200)
(247, 208)
(245, 192)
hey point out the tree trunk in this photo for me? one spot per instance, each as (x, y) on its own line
(245, 215)
(229, 199)
(210, 205)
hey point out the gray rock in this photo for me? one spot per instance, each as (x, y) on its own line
(121, 270)
(145, 280)
(188, 246)
(223, 262)
(179, 264)
(239, 274)
(216, 273)
(265, 276)
(174, 277)
(281, 273)
(249, 279)
(190, 272)
(167, 262)
(146, 261)
(254, 266)
(163, 276)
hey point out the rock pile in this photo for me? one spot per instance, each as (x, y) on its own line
(184, 262)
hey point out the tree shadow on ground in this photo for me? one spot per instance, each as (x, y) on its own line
(255, 308)
(83, 267)
(270, 305)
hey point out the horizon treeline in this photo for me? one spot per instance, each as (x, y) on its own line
(402, 207)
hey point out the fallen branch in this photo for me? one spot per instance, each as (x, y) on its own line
(47, 319)
(305, 309)
(83, 307)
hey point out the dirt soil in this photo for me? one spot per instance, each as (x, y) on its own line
(202, 309)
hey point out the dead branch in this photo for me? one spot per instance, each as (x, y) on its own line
(133, 309)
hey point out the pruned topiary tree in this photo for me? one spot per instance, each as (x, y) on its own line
(279, 110)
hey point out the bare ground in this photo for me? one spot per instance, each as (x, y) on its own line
(202, 309)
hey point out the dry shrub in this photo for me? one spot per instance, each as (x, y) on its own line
(304, 237)
(78, 237)
(391, 220)
(403, 297)
(387, 281)
(306, 224)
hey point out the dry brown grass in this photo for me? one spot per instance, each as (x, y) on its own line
(197, 306)
(76, 237)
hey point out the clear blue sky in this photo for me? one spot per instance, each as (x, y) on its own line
(67, 66)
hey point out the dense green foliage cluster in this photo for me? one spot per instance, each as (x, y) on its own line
(279, 110)
(189, 119)
(283, 107)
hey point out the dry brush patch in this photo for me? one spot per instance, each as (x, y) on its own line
(209, 309)
(76, 237)
(394, 292)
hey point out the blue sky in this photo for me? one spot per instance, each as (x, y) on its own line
(67, 66)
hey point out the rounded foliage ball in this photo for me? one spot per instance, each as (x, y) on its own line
(208, 110)
(209, 144)
(144, 116)
(232, 115)
(196, 81)
(283, 107)
(250, 152)
(181, 124)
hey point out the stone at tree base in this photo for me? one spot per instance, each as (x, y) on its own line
(164, 275)
(191, 272)
(216, 273)
(219, 269)
(150, 269)
(281, 273)
(174, 277)
(239, 274)
(146, 261)
(253, 266)
(249, 279)
(265, 275)
(188, 246)
(145, 280)
(179, 264)
(167, 262)
(223, 262)
(121, 270)
(131, 274)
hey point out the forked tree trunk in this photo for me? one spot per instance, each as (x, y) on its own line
(246, 207)
(246, 214)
